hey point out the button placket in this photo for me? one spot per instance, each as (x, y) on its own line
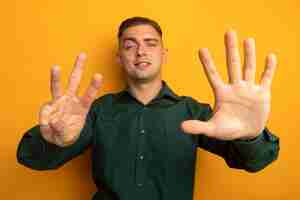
(140, 160)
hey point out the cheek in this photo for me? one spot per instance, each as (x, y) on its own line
(158, 58)
(126, 59)
(127, 63)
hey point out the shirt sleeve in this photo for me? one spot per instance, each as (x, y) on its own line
(36, 153)
(250, 155)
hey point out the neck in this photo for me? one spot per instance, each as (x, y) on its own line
(145, 91)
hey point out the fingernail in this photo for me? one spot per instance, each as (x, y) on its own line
(82, 55)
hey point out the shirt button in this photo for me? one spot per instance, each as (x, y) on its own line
(141, 157)
(140, 184)
(142, 131)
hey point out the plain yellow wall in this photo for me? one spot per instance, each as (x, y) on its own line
(37, 34)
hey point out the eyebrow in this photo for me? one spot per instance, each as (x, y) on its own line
(146, 39)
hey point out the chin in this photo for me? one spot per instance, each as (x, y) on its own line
(143, 79)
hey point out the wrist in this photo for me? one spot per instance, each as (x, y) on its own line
(249, 138)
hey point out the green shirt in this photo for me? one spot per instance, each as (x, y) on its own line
(140, 152)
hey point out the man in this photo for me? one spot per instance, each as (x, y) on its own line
(144, 139)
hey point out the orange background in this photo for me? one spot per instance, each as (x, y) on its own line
(37, 34)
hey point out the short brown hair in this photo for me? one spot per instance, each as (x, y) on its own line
(135, 21)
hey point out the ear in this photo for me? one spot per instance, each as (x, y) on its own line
(165, 55)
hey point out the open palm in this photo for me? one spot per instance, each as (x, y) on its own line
(241, 107)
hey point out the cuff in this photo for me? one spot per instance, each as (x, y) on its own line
(264, 145)
(39, 144)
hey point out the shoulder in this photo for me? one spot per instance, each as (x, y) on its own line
(192, 102)
(102, 102)
(104, 99)
(197, 109)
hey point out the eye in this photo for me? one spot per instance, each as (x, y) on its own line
(128, 45)
(152, 44)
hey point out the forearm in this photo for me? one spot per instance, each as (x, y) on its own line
(253, 155)
(36, 153)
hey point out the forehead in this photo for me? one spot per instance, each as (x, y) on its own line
(140, 32)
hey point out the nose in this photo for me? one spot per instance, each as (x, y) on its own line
(141, 51)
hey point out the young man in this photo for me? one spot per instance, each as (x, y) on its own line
(144, 138)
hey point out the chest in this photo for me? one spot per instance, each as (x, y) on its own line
(154, 132)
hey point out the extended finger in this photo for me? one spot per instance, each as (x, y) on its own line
(56, 90)
(250, 60)
(198, 127)
(232, 57)
(267, 76)
(75, 76)
(92, 90)
(210, 69)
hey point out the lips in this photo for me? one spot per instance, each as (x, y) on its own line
(142, 64)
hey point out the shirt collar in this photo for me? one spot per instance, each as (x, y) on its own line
(165, 91)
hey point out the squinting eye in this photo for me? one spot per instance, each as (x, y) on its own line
(152, 44)
(129, 46)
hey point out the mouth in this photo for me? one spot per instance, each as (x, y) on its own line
(142, 64)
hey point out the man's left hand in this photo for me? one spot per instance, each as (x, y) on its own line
(241, 107)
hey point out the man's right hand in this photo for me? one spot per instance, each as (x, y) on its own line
(62, 119)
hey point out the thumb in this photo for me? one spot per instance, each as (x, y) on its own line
(197, 127)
